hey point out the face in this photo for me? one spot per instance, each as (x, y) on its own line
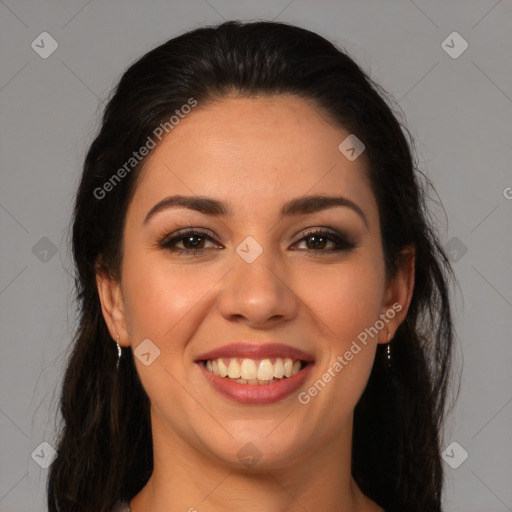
(250, 289)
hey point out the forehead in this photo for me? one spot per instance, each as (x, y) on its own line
(254, 153)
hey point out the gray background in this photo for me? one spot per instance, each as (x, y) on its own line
(458, 109)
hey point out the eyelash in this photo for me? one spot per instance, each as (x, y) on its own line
(341, 242)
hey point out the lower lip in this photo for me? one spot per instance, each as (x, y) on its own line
(256, 394)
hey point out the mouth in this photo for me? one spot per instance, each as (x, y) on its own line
(256, 374)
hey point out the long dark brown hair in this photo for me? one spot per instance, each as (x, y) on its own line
(104, 445)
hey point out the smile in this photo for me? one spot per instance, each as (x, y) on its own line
(254, 371)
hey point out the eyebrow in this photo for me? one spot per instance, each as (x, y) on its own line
(216, 208)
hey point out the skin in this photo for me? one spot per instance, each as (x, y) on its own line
(254, 154)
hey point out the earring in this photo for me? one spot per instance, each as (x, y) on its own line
(388, 351)
(119, 351)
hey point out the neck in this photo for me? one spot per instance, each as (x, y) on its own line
(186, 479)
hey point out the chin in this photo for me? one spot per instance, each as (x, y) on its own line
(257, 451)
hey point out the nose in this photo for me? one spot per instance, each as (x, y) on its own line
(258, 293)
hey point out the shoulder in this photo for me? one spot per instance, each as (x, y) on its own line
(121, 506)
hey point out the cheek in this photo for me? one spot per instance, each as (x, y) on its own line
(345, 303)
(158, 296)
(160, 305)
(347, 299)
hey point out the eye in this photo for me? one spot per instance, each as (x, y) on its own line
(192, 241)
(318, 238)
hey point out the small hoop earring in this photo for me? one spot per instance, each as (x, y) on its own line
(119, 352)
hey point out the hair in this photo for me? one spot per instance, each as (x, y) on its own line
(105, 444)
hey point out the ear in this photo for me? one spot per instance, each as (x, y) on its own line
(398, 294)
(112, 306)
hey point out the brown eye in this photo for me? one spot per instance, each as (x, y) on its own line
(317, 240)
(192, 241)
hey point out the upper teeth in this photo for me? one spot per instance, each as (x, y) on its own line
(252, 369)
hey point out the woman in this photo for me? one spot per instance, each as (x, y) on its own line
(251, 231)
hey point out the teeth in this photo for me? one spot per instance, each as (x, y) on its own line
(288, 365)
(223, 369)
(254, 372)
(279, 368)
(233, 369)
(255, 382)
(266, 370)
(248, 369)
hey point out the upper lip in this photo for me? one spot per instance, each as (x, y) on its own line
(259, 351)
